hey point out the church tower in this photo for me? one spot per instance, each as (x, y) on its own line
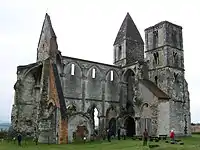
(164, 52)
(128, 45)
(47, 45)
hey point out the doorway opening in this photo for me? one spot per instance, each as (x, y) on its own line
(130, 126)
(112, 126)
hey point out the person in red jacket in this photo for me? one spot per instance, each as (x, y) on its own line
(172, 135)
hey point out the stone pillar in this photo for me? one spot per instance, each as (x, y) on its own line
(123, 94)
(102, 124)
(84, 78)
(137, 126)
(102, 117)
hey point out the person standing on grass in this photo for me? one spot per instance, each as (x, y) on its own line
(123, 130)
(19, 139)
(118, 133)
(172, 135)
(145, 137)
(36, 140)
(108, 135)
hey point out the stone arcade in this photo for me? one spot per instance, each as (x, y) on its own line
(55, 97)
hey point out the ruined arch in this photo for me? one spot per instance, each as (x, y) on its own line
(129, 125)
(27, 91)
(78, 71)
(35, 70)
(76, 122)
(111, 119)
(129, 79)
(146, 115)
(94, 83)
(126, 74)
(115, 75)
(97, 72)
(112, 87)
(72, 83)
(145, 111)
(94, 113)
(111, 112)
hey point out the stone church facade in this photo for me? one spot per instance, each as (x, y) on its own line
(55, 97)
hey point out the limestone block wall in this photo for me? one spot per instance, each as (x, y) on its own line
(134, 51)
(88, 85)
(85, 87)
(148, 110)
(163, 118)
(25, 110)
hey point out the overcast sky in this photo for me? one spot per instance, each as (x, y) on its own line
(87, 29)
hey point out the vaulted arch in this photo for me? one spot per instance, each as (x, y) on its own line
(129, 79)
(72, 82)
(97, 72)
(94, 113)
(111, 112)
(127, 74)
(146, 118)
(77, 69)
(94, 83)
(146, 111)
(112, 86)
(110, 73)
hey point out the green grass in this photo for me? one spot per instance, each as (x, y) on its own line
(190, 143)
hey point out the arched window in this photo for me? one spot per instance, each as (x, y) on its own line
(111, 75)
(72, 69)
(93, 73)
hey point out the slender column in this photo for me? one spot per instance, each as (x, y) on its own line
(84, 78)
(137, 126)
(102, 117)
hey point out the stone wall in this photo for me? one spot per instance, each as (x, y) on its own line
(148, 110)
(134, 52)
(166, 69)
(25, 108)
(86, 92)
(163, 118)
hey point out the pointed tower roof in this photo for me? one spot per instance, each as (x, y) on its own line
(128, 30)
(47, 27)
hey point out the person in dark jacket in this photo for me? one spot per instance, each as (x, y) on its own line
(118, 133)
(108, 135)
(19, 139)
(145, 137)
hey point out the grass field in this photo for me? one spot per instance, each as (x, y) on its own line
(190, 143)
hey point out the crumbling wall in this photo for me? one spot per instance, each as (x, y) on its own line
(25, 108)
(112, 86)
(72, 83)
(92, 92)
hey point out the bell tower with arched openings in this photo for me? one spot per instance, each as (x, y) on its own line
(164, 51)
(128, 45)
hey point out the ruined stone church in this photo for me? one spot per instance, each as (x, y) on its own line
(55, 97)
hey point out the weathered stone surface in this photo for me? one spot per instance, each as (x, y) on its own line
(133, 93)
